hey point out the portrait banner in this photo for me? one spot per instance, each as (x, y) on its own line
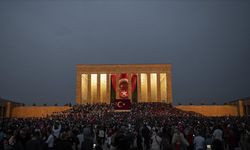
(123, 86)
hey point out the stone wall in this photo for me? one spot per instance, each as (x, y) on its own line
(211, 110)
(36, 111)
(206, 110)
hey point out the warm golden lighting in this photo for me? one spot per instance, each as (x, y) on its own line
(144, 87)
(93, 88)
(153, 85)
(163, 81)
(96, 83)
(103, 87)
(84, 88)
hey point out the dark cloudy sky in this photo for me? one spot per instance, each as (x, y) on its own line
(207, 41)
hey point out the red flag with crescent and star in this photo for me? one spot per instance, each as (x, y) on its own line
(122, 104)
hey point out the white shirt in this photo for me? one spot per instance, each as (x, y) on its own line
(50, 141)
(156, 142)
(81, 139)
(56, 132)
(178, 138)
(101, 133)
(199, 142)
(218, 134)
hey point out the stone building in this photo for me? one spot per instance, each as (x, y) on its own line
(136, 82)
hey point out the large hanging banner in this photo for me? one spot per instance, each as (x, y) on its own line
(122, 105)
(123, 86)
(123, 90)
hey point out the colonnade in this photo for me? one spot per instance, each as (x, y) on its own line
(151, 87)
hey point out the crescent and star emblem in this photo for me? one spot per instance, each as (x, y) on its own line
(124, 93)
(120, 104)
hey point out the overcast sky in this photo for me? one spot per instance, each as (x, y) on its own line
(207, 41)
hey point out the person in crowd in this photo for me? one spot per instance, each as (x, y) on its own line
(217, 139)
(63, 142)
(1, 138)
(156, 141)
(217, 134)
(199, 142)
(146, 134)
(245, 140)
(189, 135)
(101, 135)
(121, 140)
(88, 142)
(165, 135)
(139, 140)
(56, 129)
(109, 137)
(179, 142)
(50, 140)
(80, 138)
(35, 143)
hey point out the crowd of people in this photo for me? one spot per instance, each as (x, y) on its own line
(148, 126)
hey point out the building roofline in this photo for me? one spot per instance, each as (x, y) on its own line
(169, 64)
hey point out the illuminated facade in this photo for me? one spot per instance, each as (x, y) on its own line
(137, 82)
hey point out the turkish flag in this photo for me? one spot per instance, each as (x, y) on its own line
(122, 104)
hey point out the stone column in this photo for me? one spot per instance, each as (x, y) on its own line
(89, 99)
(246, 108)
(169, 86)
(149, 87)
(158, 88)
(117, 86)
(241, 108)
(98, 90)
(129, 87)
(8, 109)
(79, 88)
(139, 87)
(108, 89)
